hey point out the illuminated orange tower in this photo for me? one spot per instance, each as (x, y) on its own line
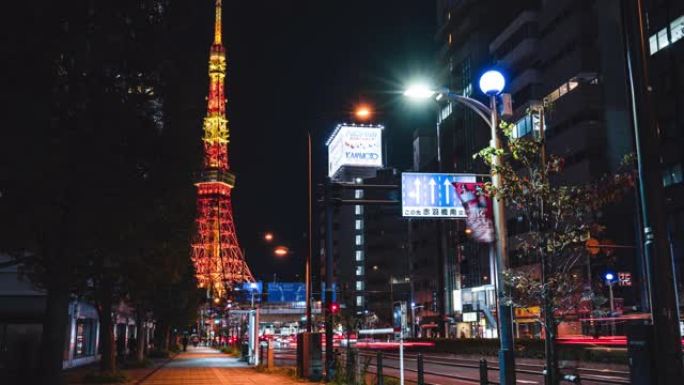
(216, 254)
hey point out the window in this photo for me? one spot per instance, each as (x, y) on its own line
(677, 29)
(359, 255)
(359, 240)
(663, 40)
(358, 210)
(359, 224)
(653, 44)
(359, 285)
(359, 270)
(358, 194)
(359, 301)
(673, 175)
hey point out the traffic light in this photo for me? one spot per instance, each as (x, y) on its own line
(334, 308)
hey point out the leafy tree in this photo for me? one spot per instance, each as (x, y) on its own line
(559, 217)
(78, 188)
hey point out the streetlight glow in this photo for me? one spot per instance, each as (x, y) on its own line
(419, 91)
(363, 112)
(492, 82)
(268, 237)
(281, 251)
(609, 276)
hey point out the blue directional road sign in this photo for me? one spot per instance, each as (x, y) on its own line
(432, 195)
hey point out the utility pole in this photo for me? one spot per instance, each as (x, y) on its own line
(666, 365)
(329, 250)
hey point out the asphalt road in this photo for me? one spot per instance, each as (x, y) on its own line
(446, 369)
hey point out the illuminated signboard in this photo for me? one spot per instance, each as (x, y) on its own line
(356, 146)
(432, 195)
(286, 292)
(470, 317)
(625, 278)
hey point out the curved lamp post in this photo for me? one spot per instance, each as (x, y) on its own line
(492, 84)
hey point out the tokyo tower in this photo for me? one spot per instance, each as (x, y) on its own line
(219, 261)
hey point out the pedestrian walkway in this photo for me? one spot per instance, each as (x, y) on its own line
(205, 366)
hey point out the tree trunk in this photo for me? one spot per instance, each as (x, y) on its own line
(54, 335)
(551, 353)
(162, 333)
(108, 361)
(141, 334)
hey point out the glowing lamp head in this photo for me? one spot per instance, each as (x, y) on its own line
(363, 112)
(268, 237)
(253, 286)
(419, 91)
(492, 82)
(217, 299)
(610, 276)
(281, 251)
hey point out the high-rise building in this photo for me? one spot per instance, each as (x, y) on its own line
(219, 261)
(567, 55)
(665, 29)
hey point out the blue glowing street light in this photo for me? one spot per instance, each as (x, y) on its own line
(492, 83)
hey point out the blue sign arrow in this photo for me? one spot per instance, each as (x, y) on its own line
(432, 195)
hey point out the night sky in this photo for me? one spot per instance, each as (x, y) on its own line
(293, 66)
(302, 65)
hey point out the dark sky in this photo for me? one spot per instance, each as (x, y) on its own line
(293, 66)
(302, 65)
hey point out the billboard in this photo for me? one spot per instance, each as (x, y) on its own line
(432, 195)
(286, 292)
(354, 145)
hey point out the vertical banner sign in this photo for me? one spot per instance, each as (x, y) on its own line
(478, 209)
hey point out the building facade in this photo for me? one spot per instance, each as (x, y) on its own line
(568, 57)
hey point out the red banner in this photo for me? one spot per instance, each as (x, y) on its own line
(478, 208)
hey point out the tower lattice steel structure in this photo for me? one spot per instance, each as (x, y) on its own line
(219, 262)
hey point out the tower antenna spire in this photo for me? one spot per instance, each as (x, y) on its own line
(217, 24)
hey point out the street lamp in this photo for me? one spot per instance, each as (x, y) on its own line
(492, 84)
(610, 281)
(253, 288)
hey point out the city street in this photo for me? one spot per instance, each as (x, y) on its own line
(206, 366)
(435, 192)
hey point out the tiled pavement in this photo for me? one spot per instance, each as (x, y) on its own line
(204, 366)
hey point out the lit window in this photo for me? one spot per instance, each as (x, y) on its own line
(359, 285)
(563, 89)
(358, 194)
(359, 224)
(663, 40)
(572, 84)
(359, 301)
(359, 240)
(359, 255)
(359, 270)
(653, 44)
(358, 210)
(677, 29)
(673, 175)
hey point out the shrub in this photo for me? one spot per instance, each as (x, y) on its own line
(104, 378)
(158, 353)
(132, 364)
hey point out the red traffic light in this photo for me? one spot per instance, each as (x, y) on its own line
(334, 308)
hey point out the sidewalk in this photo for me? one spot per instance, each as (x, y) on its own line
(205, 366)
(197, 366)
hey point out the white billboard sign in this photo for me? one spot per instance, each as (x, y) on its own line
(357, 146)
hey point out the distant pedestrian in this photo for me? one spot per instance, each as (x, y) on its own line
(184, 341)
